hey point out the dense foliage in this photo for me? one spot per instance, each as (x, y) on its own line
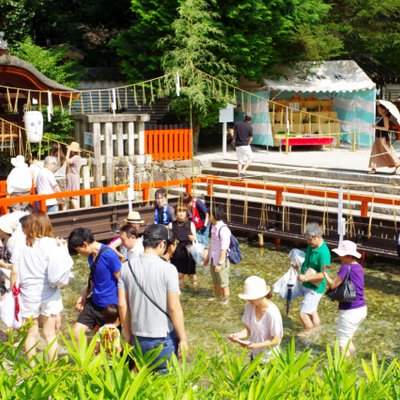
(227, 39)
(225, 374)
(50, 62)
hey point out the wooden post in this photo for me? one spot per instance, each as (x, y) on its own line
(97, 162)
(364, 208)
(141, 137)
(86, 184)
(260, 239)
(210, 188)
(131, 138)
(108, 149)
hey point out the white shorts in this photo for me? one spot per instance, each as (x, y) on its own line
(52, 307)
(310, 302)
(348, 323)
(244, 153)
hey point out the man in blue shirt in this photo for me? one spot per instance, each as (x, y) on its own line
(102, 285)
(164, 212)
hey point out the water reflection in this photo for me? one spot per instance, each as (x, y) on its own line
(378, 333)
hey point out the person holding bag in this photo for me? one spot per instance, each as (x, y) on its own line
(351, 313)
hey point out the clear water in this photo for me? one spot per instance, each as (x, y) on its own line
(380, 332)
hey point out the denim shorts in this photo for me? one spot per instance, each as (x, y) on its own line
(169, 343)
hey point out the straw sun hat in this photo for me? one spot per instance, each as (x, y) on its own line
(74, 146)
(347, 248)
(254, 288)
(134, 217)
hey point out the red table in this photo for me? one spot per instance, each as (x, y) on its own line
(307, 141)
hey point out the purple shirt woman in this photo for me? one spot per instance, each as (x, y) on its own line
(351, 314)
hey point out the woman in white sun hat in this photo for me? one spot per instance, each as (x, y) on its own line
(262, 318)
(353, 313)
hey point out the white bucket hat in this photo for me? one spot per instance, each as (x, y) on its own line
(19, 161)
(134, 217)
(9, 222)
(254, 288)
(347, 248)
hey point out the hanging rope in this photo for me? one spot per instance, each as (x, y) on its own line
(304, 213)
(246, 204)
(350, 224)
(264, 210)
(371, 213)
(325, 217)
(228, 202)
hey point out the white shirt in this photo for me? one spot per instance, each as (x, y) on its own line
(46, 184)
(220, 240)
(136, 250)
(269, 326)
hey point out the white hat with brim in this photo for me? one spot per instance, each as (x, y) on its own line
(347, 248)
(134, 217)
(74, 146)
(19, 161)
(9, 222)
(254, 288)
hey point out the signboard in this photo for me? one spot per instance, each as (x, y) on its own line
(88, 139)
(226, 114)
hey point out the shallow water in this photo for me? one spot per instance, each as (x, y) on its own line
(380, 332)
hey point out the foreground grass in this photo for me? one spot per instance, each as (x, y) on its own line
(221, 375)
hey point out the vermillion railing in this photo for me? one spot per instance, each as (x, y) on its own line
(364, 199)
(96, 193)
(145, 187)
(169, 144)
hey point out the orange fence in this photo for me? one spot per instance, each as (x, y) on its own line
(169, 143)
(96, 193)
(145, 187)
(364, 200)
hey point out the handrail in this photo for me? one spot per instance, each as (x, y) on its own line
(210, 180)
(279, 189)
(145, 187)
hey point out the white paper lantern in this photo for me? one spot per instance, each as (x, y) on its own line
(34, 126)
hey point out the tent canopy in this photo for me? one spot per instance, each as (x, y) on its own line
(326, 76)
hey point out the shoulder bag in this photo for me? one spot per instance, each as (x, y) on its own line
(148, 297)
(345, 292)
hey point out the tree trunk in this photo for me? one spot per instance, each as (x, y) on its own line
(196, 133)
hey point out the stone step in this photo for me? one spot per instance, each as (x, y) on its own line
(326, 173)
(311, 182)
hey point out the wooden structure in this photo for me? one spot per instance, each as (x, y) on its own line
(109, 138)
(277, 220)
(22, 88)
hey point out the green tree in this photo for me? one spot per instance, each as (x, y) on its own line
(137, 47)
(193, 49)
(260, 34)
(16, 18)
(369, 29)
(51, 62)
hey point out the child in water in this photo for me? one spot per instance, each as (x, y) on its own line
(108, 336)
(262, 318)
(185, 232)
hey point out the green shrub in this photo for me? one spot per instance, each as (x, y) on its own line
(227, 373)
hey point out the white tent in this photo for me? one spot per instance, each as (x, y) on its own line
(343, 81)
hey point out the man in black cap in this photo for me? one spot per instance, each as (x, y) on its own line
(243, 134)
(148, 298)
